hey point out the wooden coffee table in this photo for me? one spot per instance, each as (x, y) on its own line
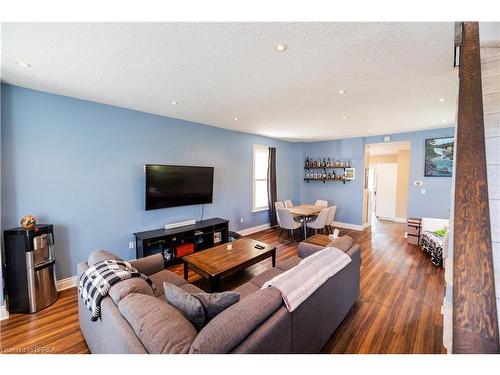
(218, 261)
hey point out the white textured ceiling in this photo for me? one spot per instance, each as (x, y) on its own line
(393, 73)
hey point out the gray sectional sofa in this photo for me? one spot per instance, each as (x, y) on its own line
(134, 319)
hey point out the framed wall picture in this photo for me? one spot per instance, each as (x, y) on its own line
(349, 173)
(439, 157)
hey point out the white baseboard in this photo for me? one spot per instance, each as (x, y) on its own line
(395, 219)
(4, 313)
(350, 226)
(258, 228)
(67, 283)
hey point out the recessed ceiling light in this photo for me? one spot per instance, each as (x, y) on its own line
(235, 119)
(24, 64)
(281, 47)
(341, 92)
(174, 102)
(441, 100)
(344, 117)
(444, 121)
(369, 131)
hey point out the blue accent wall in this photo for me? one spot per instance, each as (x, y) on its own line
(348, 198)
(79, 165)
(437, 200)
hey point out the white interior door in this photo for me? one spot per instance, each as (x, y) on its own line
(385, 197)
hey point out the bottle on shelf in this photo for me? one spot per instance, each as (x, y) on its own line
(349, 163)
(324, 174)
(329, 176)
(307, 163)
(328, 163)
(337, 163)
(307, 174)
(323, 163)
(315, 163)
(333, 175)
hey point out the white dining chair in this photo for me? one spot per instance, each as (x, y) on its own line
(288, 204)
(277, 205)
(321, 203)
(331, 218)
(286, 222)
(320, 221)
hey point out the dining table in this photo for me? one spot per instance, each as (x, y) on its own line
(305, 211)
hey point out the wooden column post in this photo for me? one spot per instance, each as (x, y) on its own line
(475, 324)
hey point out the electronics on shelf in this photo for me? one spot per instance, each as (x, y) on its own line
(180, 224)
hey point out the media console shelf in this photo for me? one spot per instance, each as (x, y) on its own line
(177, 242)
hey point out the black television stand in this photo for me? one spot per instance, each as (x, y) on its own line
(174, 243)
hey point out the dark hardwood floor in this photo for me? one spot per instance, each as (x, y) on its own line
(398, 310)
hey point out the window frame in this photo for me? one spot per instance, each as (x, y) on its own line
(256, 148)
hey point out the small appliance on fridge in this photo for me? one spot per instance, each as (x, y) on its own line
(30, 268)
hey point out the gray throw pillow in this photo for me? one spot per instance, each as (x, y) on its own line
(199, 308)
(215, 303)
(190, 306)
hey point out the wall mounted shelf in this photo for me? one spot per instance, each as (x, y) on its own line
(326, 179)
(328, 170)
(325, 167)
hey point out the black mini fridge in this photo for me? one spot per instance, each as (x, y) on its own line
(30, 268)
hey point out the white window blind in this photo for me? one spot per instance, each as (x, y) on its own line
(260, 161)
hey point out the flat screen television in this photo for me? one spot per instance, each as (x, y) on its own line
(177, 185)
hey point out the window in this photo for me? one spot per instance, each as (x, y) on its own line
(260, 160)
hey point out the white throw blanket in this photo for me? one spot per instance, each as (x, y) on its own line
(299, 282)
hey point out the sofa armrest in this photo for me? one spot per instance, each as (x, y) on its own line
(355, 253)
(306, 249)
(149, 265)
(80, 269)
(343, 243)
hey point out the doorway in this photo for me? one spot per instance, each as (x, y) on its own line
(386, 177)
(386, 190)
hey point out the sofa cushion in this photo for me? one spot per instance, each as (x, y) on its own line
(97, 256)
(149, 265)
(199, 307)
(133, 285)
(289, 263)
(261, 278)
(228, 329)
(160, 327)
(190, 288)
(165, 276)
(189, 305)
(343, 243)
(306, 249)
(246, 289)
(215, 303)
